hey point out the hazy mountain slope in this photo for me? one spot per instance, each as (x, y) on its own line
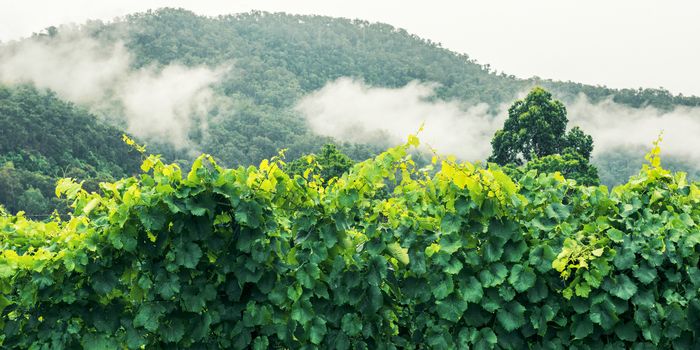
(43, 138)
(268, 62)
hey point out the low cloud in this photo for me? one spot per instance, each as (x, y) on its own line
(161, 103)
(349, 110)
(614, 126)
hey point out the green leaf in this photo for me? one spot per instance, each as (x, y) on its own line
(6, 269)
(192, 302)
(172, 331)
(329, 235)
(470, 289)
(453, 267)
(511, 316)
(451, 308)
(507, 292)
(514, 251)
(582, 289)
(603, 313)
(450, 223)
(351, 325)
(621, 286)
(376, 270)
(318, 330)
(502, 230)
(168, 285)
(557, 211)
(493, 276)
(522, 278)
(261, 343)
(493, 249)
(4, 302)
(627, 331)
(645, 273)
(104, 282)
(99, 342)
(582, 327)
(539, 292)
(450, 243)
(615, 235)
(443, 288)
(624, 259)
(398, 252)
(539, 317)
(148, 316)
(188, 255)
(249, 214)
(484, 339)
(541, 257)
(152, 220)
(134, 339)
(301, 312)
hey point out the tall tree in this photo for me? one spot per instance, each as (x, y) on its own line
(534, 136)
(535, 128)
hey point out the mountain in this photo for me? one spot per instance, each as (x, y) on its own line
(264, 63)
(294, 54)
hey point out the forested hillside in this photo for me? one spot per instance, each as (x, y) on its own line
(271, 61)
(278, 58)
(42, 139)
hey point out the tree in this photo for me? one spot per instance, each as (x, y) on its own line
(330, 162)
(579, 142)
(535, 128)
(33, 202)
(534, 136)
(571, 165)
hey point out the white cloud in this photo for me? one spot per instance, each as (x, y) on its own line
(160, 103)
(77, 67)
(351, 111)
(614, 126)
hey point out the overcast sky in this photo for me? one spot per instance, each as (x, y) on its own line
(619, 43)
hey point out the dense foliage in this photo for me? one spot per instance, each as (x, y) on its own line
(329, 163)
(42, 139)
(571, 165)
(251, 257)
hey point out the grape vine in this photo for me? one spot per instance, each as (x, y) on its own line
(388, 256)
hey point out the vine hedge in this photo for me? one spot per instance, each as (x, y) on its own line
(387, 257)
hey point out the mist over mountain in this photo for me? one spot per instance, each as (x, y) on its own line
(242, 87)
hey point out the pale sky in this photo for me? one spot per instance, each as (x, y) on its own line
(619, 43)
